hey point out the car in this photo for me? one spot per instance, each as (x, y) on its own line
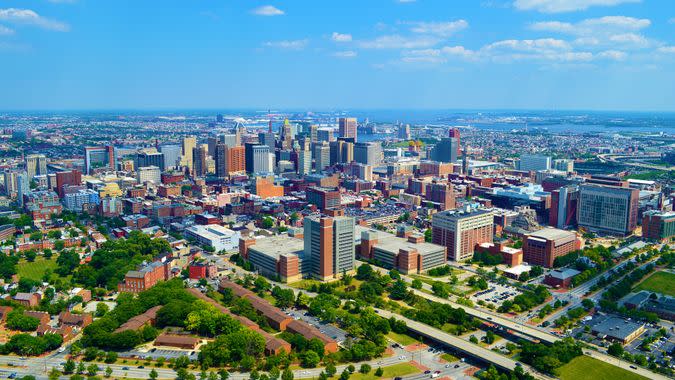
(153, 350)
(427, 372)
(125, 368)
(437, 371)
(447, 366)
(456, 366)
(633, 367)
(12, 375)
(140, 367)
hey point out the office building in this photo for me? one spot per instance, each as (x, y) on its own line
(215, 236)
(544, 246)
(99, 157)
(454, 133)
(321, 156)
(188, 145)
(409, 254)
(658, 225)
(531, 162)
(278, 255)
(445, 150)
(329, 246)
(199, 164)
(67, 178)
(341, 152)
(347, 127)
(404, 131)
(618, 330)
(563, 165)
(259, 159)
(564, 203)
(143, 159)
(267, 138)
(442, 194)
(304, 162)
(324, 134)
(231, 140)
(608, 209)
(36, 164)
(368, 153)
(460, 231)
(137, 281)
(149, 174)
(77, 198)
(286, 136)
(323, 198)
(171, 157)
(22, 187)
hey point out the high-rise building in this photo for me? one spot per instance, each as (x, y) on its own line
(188, 145)
(10, 183)
(442, 193)
(324, 134)
(199, 161)
(462, 230)
(99, 157)
(211, 143)
(454, 134)
(22, 187)
(36, 164)
(564, 165)
(149, 174)
(313, 134)
(323, 198)
(143, 159)
(608, 209)
(347, 127)
(564, 203)
(286, 135)
(321, 156)
(368, 153)
(658, 225)
(446, 150)
(67, 178)
(304, 162)
(267, 138)
(76, 199)
(229, 160)
(230, 140)
(329, 246)
(259, 159)
(219, 118)
(533, 162)
(171, 154)
(544, 246)
(404, 131)
(341, 151)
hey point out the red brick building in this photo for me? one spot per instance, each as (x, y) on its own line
(543, 246)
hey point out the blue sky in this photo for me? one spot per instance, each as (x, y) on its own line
(325, 54)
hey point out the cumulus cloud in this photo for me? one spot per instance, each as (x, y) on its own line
(608, 31)
(443, 29)
(288, 44)
(666, 49)
(560, 6)
(5, 31)
(268, 10)
(396, 41)
(339, 37)
(345, 54)
(30, 17)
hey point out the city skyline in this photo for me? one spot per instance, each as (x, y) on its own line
(523, 54)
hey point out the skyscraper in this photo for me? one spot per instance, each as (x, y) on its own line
(36, 164)
(404, 131)
(99, 157)
(286, 135)
(189, 143)
(461, 230)
(608, 209)
(454, 133)
(143, 159)
(171, 154)
(304, 162)
(329, 246)
(445, 150)
(199, 161)
(368, 153)
(533, 162)
(321, 156)
(259, 159)
(347, 127)
(267, 138)
(22, 187)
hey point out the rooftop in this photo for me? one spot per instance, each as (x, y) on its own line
(392, 243)
(552, 234)
(616, 328)
(279, 245)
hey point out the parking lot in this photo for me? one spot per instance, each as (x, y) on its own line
(154, 353)
(495, 294)
(330, 330)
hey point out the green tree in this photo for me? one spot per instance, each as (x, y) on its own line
(287, 374)
(153, 374)
(416, 284)
(379, 372)
(69, 366)
(473, 339)
(310, 359)
(54, 374)
(399, 290)
(108, 371)
(92, 369)
(101, 309)
(365, 368)
(615, 349)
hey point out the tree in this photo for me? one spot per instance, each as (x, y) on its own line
(379, 372)
(365, 368)
(427, 235)
(54, 234)
(81, 368)
(310, 359)
(54, 374)
(153, 374)
(615, 349)
(473, 339)
(331, 370)
(69, 366)
(344, 375)
(287, 374)
(439, 289)
(267, 222)
(364, 272)
(108, 371)
(223, 374)
(416, 284)
(587, 303)
(399, 290)
(92, 369)
(111, 357)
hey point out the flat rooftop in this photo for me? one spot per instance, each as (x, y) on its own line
(552, 234)
(392, 243)
(275, 246)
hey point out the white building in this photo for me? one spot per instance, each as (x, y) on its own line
(149, 174)
(531, 162)
(216, 236)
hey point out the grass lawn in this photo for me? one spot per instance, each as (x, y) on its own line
(659, 282)
(449, 357)
(401, 369)
(402, 339)
(585, 367)
(36, 269)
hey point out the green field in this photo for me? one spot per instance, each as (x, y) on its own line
(401, 369)
(402, 339)
(659, 282)
(585, 367)
(36, 269)
(449, 357)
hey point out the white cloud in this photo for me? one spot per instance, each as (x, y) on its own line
(541, 45)
(591, 26)
(666, 49)
(5, 31)
(560, 6)
(443, 29)
(268, 10)
(30, 17)
(615, 55)
(345, 54)
(288, 44)
(396, 41)
(339, 37)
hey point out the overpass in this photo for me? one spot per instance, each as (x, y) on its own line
(458, 344)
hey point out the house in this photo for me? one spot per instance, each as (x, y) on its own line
(4, 310)
(41, 316)
(75, 320)
(27, 299)
(145, 319)
(180, 341)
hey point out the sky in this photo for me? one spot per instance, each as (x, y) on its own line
(337, 54)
